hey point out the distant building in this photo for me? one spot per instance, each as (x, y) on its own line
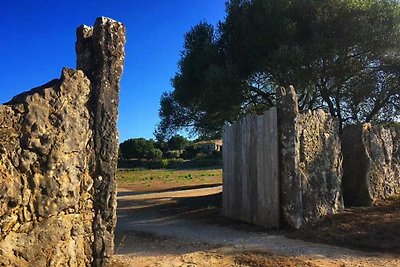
(210, 146)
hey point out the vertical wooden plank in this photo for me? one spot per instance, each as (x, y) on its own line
(269, 159)
(232, 188)
(275, 171)
(267, 176)
(253, 169)
(225, 170)
(230, 176)
(246, 165)
(243, 166)
(241, 171)
(261, 175)
(272, 173)
(236, 209)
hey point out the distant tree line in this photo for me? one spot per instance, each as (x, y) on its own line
(342, 56)
(139, 148)
(176, 147)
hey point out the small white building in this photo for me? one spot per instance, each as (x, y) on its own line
(210, 146)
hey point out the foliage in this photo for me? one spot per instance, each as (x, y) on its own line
(155, 153)
(191, 151)
(201, 155)
(161, 145)
(175, 163)
(177, 142)
(169, 163)
(173, 154)
(217, 154)
(341, 55)
(139, 148)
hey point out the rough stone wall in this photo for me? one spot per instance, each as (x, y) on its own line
(371, 163)
(58, 150)
(310, 162)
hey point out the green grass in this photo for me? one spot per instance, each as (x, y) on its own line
(185, 177)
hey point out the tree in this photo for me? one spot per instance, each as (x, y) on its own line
(200, 88)
(155, 154)
(139, 148)
(191, 151)
(177, 142)
(340, 55)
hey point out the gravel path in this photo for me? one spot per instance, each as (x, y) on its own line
(157, 214)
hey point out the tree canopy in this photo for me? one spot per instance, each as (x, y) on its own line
(177, 142)
(141, 148)
(341, 55)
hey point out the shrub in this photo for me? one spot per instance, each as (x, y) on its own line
(201, 155)
(158, 164)
(175, 163)
(155, 153)
(173, 154)
(191, 151)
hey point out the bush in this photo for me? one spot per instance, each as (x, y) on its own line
(158, 164)
(217, 154)
(175, 163)
(173, 154)
(177, 142)
(155, 153)
(131, 164)
(191, 151)
(169, 163)
(201, 155)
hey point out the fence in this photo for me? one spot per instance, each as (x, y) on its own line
(284, 164)
(251, 182)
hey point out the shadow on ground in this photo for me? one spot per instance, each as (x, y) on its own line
(374, 228)
(183, 223)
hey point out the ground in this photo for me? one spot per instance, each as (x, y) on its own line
(178, 223)
(374, 228)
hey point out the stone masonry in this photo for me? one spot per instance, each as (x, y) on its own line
(310, 162)
(371, 163)
(58, 152)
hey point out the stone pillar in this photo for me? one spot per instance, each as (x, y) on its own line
(291, 202)
(310, 162)
(100, 54)
(371, 163)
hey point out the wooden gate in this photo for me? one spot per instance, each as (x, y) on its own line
(250, 170)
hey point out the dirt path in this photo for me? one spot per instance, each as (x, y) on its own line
(164, 229)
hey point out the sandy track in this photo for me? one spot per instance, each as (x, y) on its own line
(152, 231)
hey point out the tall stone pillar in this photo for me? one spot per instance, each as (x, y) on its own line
(100, 54)
(371, 157)
(310, 162)
(291, 202)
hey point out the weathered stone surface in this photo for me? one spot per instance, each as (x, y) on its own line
(58, 147)
(371, 163)
(100, 54)
(46, 204)
(310, 162)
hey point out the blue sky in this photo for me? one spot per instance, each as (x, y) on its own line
(38, 39)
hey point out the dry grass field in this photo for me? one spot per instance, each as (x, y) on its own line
(143, 180)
